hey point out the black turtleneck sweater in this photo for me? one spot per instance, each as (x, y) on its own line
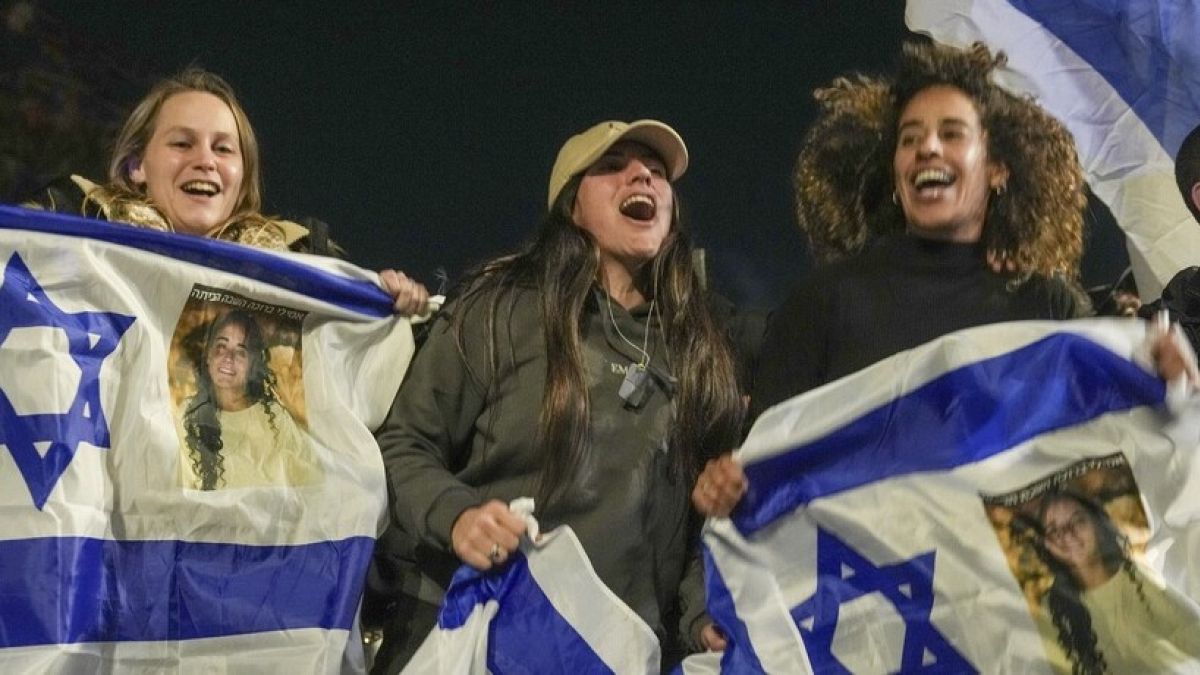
(900, 293)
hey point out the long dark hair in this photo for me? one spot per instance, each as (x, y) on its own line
(201, 425)
(1071, 618)
(562, 262)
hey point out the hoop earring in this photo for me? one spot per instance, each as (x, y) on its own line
(1000, 189)
(895, 198)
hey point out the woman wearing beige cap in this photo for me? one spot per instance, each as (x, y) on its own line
(585, 370)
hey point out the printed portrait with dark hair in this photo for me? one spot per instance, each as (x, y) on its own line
(1076, 543)
(237, 386)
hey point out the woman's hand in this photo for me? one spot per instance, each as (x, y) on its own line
(712, 639)
(1000, 262)
(720, 487)
(484, 536)
(1171, 359)
(409, 297)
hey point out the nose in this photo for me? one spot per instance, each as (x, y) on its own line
(204, 157)
(930, 145)
(638, 171)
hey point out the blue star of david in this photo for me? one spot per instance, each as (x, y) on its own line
(91, 336)
(845, 575)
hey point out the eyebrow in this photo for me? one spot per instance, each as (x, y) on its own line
(957, 121)
(190, 130)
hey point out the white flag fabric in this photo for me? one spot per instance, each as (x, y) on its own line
(1010, 498)
(188, 482)
(544, 611)
(1124, 77)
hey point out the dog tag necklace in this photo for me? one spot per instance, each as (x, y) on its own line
(634, 388)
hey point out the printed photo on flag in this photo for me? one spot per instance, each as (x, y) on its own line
(237, 386)
(1076, 544)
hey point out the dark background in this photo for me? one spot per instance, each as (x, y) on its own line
(424, 132)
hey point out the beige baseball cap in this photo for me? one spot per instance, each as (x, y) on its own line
(583, 149)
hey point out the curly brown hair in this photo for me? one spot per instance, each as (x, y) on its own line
(843, 179)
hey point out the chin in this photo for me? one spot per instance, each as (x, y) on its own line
(197, 227)
(945, 230)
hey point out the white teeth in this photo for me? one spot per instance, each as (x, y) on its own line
(200, 187)
(637, 199)
(939, 176)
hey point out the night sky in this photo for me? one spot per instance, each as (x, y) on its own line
(424, 132)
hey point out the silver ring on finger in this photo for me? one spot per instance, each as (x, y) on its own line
(495, 553)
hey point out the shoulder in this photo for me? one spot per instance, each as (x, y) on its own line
(820, 287)
(484, 313)
(61, 195)
(1182, 293)
(1064, 299)
(78, 195)
(258, 232)
(488, 297)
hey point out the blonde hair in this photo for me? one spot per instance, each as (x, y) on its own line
(139, 128)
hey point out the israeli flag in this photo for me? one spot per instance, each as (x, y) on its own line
(188, 482)
(1010, 498)
(1125, 79)
(543, 611)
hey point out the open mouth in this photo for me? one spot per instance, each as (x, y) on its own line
(201, 188)
(928, 180)
(638, 207)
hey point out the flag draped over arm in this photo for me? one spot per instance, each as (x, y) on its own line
(946, 509)
(1125, 79)
(146, 522)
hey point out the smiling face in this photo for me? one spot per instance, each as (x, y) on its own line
(192, 167)
(941, 166)
(228, 363)
(1070, 534)
(626, 202)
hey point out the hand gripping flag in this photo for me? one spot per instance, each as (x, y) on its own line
(1124, 77)
(1011, 498)
(544, 611)
(188, 482)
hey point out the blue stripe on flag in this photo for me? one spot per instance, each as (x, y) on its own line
(739, 657)
(527, 635)
(1137, 46)
(355, 295)
(963, 416)
(65, 590)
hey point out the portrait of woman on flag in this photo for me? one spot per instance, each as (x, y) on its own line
(1076, 543)
(1103, 612)
(235, 430)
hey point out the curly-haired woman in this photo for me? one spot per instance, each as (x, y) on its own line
(935, 201)
(940, 202)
